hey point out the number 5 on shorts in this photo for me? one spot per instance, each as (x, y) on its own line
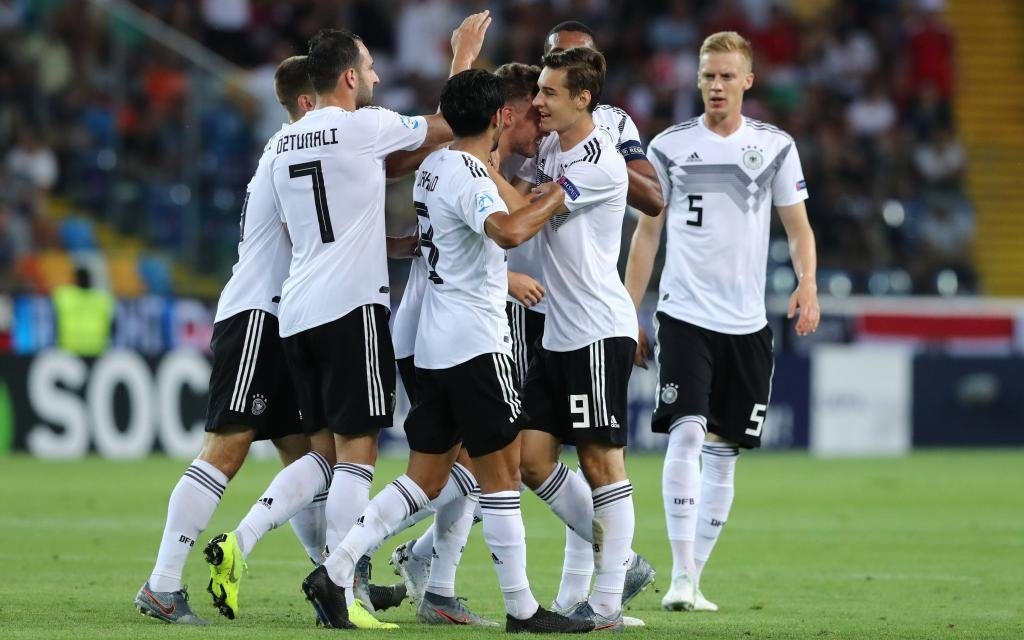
(757, 417)
(578, 403)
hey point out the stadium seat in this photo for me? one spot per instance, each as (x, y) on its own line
(157, 275)
(76, 234)
(124, 276)
(56, 269)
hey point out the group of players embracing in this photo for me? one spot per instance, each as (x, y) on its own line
(515, 334)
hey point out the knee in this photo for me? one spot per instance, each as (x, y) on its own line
(602, 466)
(226, 460)
(534, 472)
(687, 436)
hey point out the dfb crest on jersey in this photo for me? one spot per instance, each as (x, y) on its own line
(752, 158)
(669, 393)
(259, 404)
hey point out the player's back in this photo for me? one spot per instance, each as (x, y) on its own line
(264, 251)
(463, 312)
(719, 192)
(328, 176)
(581, 247)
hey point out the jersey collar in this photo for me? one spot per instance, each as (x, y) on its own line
(721, 138)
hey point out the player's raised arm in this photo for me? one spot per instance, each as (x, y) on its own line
(513, 229)
(467, 40)
(804, 255)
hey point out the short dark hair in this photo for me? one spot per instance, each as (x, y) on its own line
(331, 52)
(520, 80)
(584, 70)
(571, 25)
(469, 99)
(290, 81)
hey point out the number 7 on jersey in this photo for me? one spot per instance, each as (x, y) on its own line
(323, 214)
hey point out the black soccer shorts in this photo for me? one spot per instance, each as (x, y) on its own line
(476, 402)
(527, 329)
(725, 378)
(250, 385)
(581, 395)
(344, 372)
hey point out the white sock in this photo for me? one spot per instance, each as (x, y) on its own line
(189, 510)
(569, 497)
(718, 480)
(310, 527)
(411, 521)
(452, 525)
(347, 500)
(614, 522)
(506, 538)
(577, 567)
(395, 502)
(681, 489)
(291, 489)
(460, 484)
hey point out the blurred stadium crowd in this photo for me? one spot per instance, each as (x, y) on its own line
(124, 156)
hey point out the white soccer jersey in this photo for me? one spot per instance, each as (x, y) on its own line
(263, 248)
(407, 318)
(463, 314)
(328, 175)
(719, 192)
(587, 300)
(526, 258)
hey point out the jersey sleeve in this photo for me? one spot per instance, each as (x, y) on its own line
(660, 163)
(396, 132)
(789, 186)
(586, 184)
(528, 171)
(478, 199)
(629, 140)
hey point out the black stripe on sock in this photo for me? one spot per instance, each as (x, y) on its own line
(551, 487)
(325, 468)
(409, 502)
(354, 470)
(613, 496)
(202, 481)
(465, 481)
(721, 452)
(206, 475)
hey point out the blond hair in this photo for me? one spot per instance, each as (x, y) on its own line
(728, 42)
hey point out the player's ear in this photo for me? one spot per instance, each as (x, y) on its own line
(306, 102)
(748, 81)
(583, 99)
(351, 78)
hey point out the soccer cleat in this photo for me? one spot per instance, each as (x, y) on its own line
(415, 570)
(681, 595)
(169, 606)
(435, 609)
(585, 613)
(630, 621)
(327, 598)
(226, 568)
(544, 621)
(639, 576)
(363, 619)
(700, 603)
(361, 583)
(383, 598)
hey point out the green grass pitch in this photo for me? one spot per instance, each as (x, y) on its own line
(929, 546)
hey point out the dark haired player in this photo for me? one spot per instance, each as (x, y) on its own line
(251, 395)
(328, 174)
(467, 395)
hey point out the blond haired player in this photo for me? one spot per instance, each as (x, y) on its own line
(720, 174)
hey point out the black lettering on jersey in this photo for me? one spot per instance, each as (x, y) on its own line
(296, 141)
(427, 243)
(427, 181)
(474, 167)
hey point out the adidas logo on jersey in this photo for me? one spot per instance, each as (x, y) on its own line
(694, 157)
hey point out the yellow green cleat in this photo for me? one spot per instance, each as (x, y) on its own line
(363, 619)
(227, 564)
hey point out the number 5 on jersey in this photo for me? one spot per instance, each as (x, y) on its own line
(323, 214)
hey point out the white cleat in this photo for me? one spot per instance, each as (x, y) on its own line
(681, 595)
(703, 604)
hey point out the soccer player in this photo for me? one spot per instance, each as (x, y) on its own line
(251, 394)
(575, 389)
(720, 172)
(428, 564)
(467, 395)
(328, 174)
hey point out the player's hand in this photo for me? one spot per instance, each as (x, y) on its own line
(524, 289)
(805, 298)
(643, 350)
(546, 190)
(468, 38)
